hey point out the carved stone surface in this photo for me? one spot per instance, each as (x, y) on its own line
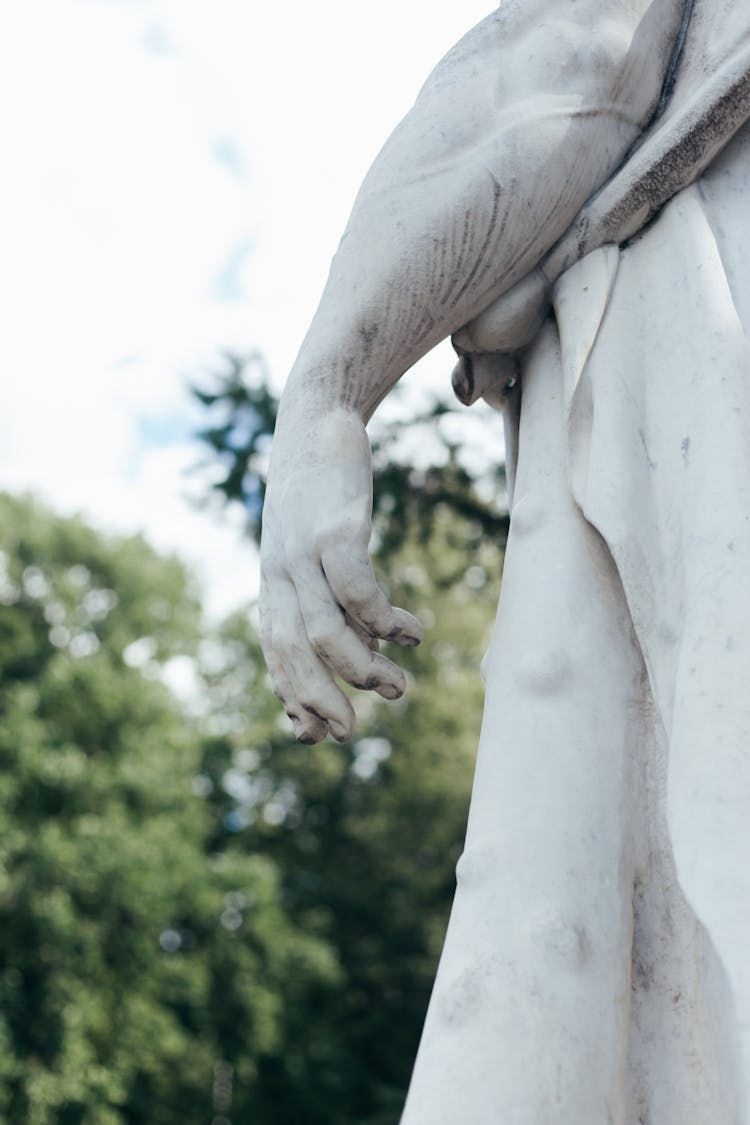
(569, 199)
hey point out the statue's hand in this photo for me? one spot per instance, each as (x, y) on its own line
(322, 611)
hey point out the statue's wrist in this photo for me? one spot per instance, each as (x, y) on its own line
(312, 396)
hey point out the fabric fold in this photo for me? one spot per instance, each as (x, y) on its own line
(659, 462)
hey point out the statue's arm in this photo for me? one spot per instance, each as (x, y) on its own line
(518, 125)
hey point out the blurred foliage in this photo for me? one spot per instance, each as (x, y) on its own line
(203, 921)
(125, 986)
(241, 412)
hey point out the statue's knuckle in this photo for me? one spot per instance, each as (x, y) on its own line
(365, 676)
(312, 705)
(358, 595)
(324, 639)
(307, 699)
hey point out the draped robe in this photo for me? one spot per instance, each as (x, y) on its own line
(618, 676)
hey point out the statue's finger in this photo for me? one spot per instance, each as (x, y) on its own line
(339, 645)
(351, 577)
(307, 727)
(313, 692)
(364, 634)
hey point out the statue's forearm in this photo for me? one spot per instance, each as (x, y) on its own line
(520, 123)
(526, 117)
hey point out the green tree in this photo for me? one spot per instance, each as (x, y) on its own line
(143, 973)
(202, 920)
(365, 835)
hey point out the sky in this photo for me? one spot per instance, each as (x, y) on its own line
(176, 177)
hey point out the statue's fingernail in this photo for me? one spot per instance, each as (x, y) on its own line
(301, 732)
(399, 637)
(339, 732)
(391, 691)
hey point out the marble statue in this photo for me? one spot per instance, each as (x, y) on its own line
(569, 200)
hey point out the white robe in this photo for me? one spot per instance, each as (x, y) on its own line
(658, 427)
(609, 832)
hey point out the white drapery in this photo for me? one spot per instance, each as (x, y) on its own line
(597, 962)
(656, 363)
(602, 915)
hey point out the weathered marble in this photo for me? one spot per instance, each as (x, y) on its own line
(595, 968)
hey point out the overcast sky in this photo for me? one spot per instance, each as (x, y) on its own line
(176, 177)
